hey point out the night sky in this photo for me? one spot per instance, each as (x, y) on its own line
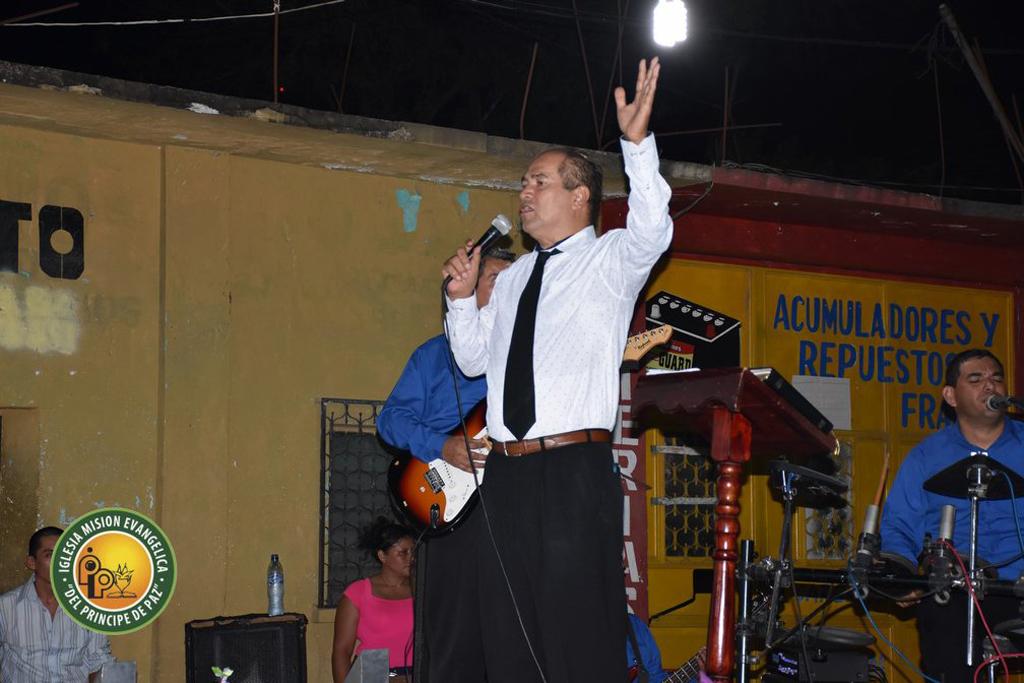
(849, 85)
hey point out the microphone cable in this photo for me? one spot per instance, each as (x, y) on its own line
(858, 593)
(969, 583)
(479, 491)
(1016, 517)
(1016, 520)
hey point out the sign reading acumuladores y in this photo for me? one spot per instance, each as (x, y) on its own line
(892, 334)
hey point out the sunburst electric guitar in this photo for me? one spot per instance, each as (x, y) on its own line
(433, 497)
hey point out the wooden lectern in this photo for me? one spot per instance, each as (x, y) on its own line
(739, 415)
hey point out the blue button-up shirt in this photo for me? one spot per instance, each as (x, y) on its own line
(650, 655)
(910, 511)
(421, 411)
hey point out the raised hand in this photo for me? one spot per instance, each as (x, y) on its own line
(634, 116)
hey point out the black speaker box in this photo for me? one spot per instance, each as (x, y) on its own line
(257, 647)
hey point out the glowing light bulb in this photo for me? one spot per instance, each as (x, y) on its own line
(669, 22)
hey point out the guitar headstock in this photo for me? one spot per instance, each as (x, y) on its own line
(638, 345)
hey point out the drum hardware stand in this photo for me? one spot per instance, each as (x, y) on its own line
(751, 623)
(981, 475)
(978, 477)
(744, 629)
(785, 484)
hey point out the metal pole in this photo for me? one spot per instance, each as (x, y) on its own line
(725, 114)
(986, 86)
(743, 629)
(773, 609)
(526, 91)
(970, 580)
(344, 73)
(277, 20)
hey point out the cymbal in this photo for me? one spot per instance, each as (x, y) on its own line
(814, 489)
(953, 482)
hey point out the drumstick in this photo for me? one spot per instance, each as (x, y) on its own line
(881, 480)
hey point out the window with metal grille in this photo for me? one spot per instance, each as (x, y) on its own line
(829, 531)
(689, 500)
(353, 490)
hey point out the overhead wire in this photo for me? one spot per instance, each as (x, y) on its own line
(541, 9)
(152, 22)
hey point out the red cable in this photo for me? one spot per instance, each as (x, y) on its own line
(977, 604)
(992, 659)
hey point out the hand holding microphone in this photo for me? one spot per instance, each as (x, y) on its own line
(461, 270)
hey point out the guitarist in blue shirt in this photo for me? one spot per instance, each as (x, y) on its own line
(645, 655)
(421, 411)
(645, 667)
(419, 416)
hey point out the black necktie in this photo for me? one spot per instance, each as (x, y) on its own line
(520, 411)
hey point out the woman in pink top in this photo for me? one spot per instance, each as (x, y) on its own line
(377, 612)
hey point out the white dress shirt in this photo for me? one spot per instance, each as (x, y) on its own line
(587, 299)
(38, 648)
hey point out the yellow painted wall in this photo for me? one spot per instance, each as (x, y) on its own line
(225, 292)
(880, 424)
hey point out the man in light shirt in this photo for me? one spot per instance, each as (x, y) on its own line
(39, 643)
(550, 342)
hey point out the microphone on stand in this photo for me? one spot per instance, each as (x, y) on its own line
(1001, 404)
(869, 542)
(938, 560)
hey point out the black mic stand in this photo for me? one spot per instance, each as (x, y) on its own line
(784, 483)
(744, 627)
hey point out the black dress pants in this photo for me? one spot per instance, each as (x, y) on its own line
(942, 633)
(556, 519)
(451, 607)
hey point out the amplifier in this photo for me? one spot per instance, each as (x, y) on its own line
(702, 337)
(257, 647)
(838, 666)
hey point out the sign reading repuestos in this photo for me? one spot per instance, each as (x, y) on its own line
(113, 571)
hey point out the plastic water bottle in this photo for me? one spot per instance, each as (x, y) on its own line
(275, 587)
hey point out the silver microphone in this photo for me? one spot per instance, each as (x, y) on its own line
(869, 542)
(499, 227)
(938, 559)
(947, 522)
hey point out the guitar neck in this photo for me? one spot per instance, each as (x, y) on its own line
(687, 672)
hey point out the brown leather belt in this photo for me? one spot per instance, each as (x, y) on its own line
(514, 449)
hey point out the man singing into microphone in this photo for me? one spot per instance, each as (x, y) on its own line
(973, 377)
(551, 595)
